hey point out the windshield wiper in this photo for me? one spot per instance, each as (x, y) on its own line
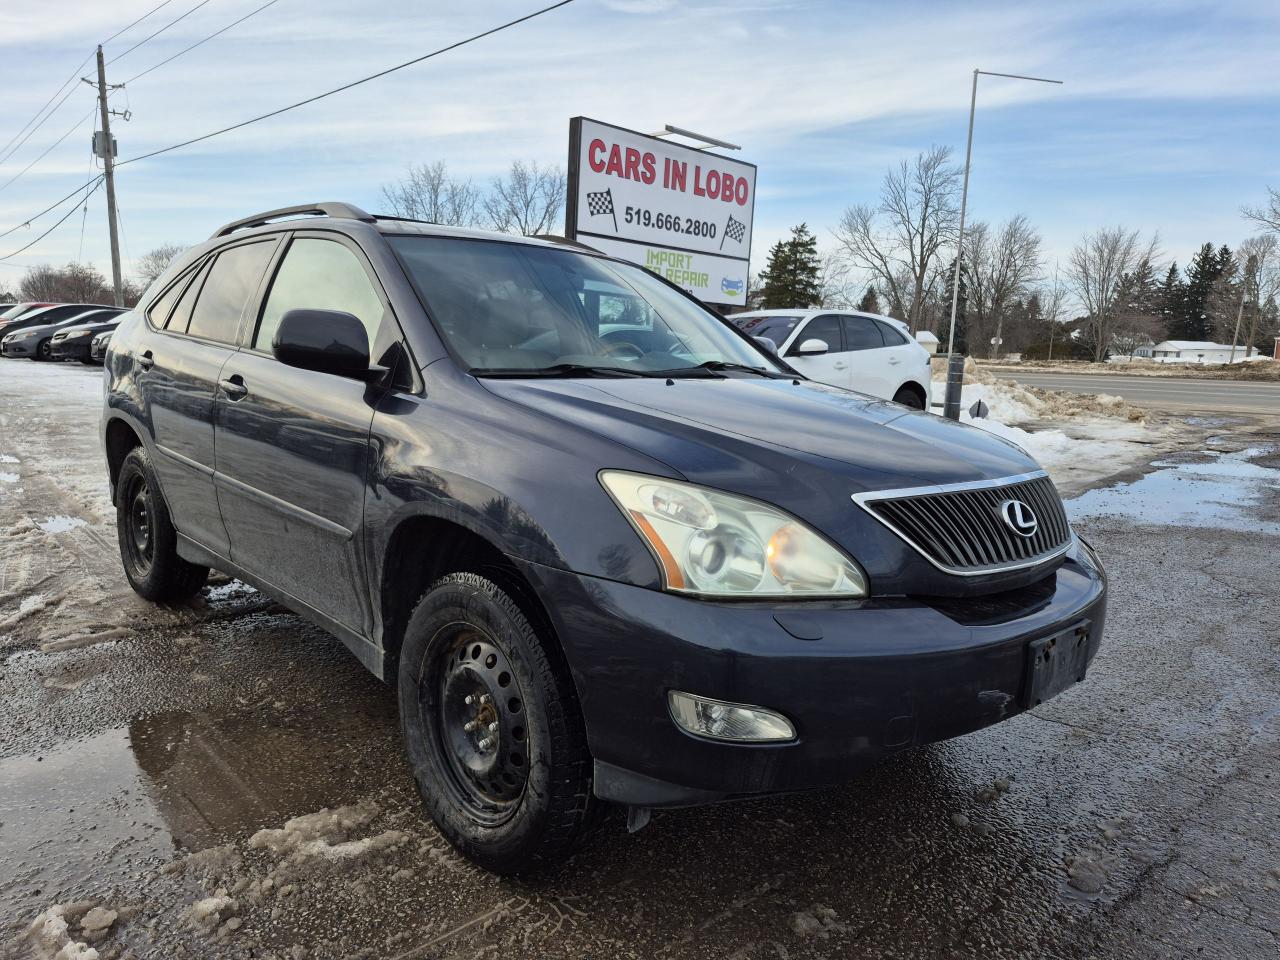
(558, 370)
(720, 365)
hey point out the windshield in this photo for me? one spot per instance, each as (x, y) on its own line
(776, 329)
(508, 308)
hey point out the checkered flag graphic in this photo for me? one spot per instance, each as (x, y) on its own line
(734, 231)
(602, 203)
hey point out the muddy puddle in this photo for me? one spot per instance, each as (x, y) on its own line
(1236, 490)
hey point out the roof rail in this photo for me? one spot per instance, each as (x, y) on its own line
(339, 211)
(564, 241)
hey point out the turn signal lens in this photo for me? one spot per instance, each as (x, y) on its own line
(718, 720)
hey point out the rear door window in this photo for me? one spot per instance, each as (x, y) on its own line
(893, 337)
(158, 313)
(232, 280)
(861, 333)
(177, 320)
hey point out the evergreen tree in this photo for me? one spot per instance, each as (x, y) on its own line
(1171, 300)
(1193, 323)
(790, 279)
(962, 309)
(870, 302)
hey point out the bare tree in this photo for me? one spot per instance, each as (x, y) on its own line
(427, 192)
(74, 283)
(838, 289)
(154, 262)
(1001, 266)
(897, 241)
(1262, 283)
(1097, 265)
(1052, 300)
(1268, 216)
(528, 200)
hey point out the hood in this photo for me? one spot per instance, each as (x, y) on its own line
(757, 431)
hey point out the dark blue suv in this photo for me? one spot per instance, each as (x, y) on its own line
(610, 549)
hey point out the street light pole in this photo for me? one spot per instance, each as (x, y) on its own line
(952, 409)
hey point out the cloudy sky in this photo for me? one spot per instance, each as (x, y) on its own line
(1167, 119)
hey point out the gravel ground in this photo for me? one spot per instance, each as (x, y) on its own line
(223, 780)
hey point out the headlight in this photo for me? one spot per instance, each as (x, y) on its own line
(712, 543)
(79, 333)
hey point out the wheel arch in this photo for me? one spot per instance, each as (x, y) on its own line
(423, 548)
(119, 437)
(915, 390)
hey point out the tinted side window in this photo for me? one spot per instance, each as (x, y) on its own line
(159, 311)
(181, 315)
(232, 280)
(893, 337)
(861, 333)
(821, 328)
(320, 275)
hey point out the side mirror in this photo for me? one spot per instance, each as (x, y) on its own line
(812, 347)
(768, 344)
(327, 341)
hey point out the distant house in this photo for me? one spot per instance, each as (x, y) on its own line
(1190, 351)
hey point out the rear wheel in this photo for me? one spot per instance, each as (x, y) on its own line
(492, 727)
(148, 542)
(909, 398)
(44, 351)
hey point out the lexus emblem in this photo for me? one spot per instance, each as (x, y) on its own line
(1019, 518)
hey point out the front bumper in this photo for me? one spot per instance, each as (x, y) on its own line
(76, 348)
(19, 348)
(859, 680)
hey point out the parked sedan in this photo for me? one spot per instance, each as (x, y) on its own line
(46, 313)
(74, 342)
(98, 349)
(36, 342)
(865, 352)
(12, 311)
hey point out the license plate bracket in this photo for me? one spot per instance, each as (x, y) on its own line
(1055, 663)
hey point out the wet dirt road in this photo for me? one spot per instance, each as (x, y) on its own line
(223, 780)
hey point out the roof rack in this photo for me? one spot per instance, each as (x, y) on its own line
(564, 241)
(339, 211)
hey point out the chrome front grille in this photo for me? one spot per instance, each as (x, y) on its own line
(961, 528)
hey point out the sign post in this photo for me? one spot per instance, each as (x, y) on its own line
(683, 213)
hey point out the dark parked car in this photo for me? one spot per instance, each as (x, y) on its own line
(49, 313)
(74, 342)
(98, 349)
(13, 311)
(36, 342)
(608, 548)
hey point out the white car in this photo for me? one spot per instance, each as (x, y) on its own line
(865, 352)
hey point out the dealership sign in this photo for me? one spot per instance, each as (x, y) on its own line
(683, 213)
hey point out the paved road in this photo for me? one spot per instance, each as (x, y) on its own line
(1163, 393)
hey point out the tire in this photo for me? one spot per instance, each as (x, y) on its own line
(44, 351)
(148, 543)
(521, 803)
(908, 398)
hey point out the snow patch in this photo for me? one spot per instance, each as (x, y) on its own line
(5, 458)
(60, 524)
(8, 478)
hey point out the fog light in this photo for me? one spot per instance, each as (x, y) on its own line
(704, 717)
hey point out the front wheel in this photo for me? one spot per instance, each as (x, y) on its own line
(148, 542)
(493, 729)
(909, 398)
(44, 351)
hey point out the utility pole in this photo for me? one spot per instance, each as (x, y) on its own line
(109, 172)
(1250, 268)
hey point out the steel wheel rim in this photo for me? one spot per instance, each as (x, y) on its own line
(473, 701)
(139, 525)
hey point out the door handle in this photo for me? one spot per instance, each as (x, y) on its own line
(234, 387)
(840, 366)
(146, 361)
(895, 360)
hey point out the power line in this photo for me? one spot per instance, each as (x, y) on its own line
(155, 9)
(148, 39)
(45, 119)
(347, 86)
(216, 33)
(69, 80)
(32, 219)
(49, 149)
(65, 217)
